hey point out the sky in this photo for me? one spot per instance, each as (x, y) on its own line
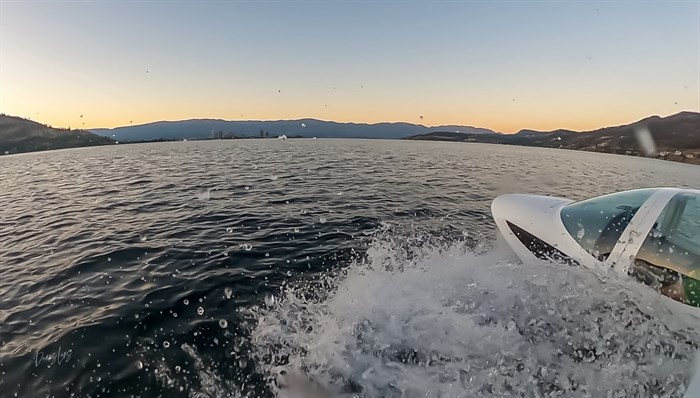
(503, 65)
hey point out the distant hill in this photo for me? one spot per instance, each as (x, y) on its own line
(677, 137)
(22, 135)
(209, 128)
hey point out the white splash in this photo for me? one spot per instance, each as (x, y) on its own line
(417, 321)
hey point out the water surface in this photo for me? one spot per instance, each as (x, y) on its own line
(217, 268)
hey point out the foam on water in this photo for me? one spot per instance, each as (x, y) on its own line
(415, 319)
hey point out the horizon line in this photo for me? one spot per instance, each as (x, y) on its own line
(349, 122)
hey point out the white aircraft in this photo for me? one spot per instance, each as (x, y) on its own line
(650, 234)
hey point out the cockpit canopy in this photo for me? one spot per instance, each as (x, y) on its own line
(669, 257)
(597, 223)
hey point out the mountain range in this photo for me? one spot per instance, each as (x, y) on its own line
(675, 137)
(216, 128)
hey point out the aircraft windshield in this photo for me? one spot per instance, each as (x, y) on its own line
(669, 259)
(597, 223)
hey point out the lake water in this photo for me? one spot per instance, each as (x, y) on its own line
(315, 268)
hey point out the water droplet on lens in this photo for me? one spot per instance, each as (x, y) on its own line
(296, 229)
(109, 258)
(223, 323)
(186, 301)
(143, 238)
(177, 368)
(166, 344)
(204, 194)
(200, 311)
(267, 254)
(322, 220)
(228, 292)
(229, 229)
(303, 125)
(139, 365)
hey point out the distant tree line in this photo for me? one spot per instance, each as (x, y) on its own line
(219, 135)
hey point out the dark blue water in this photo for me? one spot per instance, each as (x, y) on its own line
(348, 267)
